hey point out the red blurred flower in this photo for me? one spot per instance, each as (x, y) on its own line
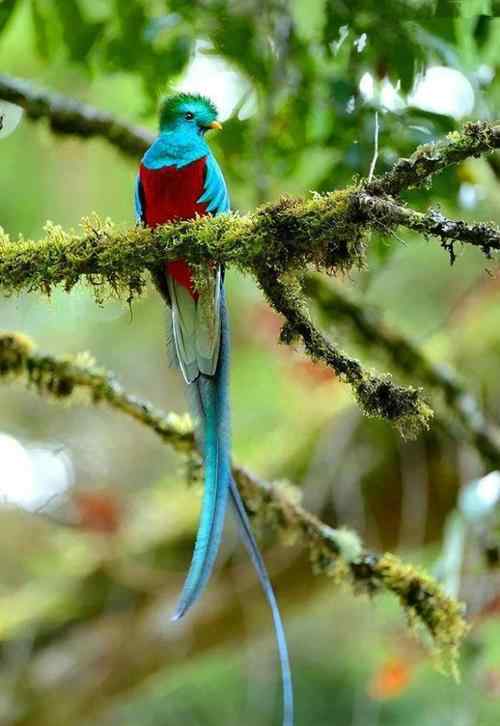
(98, 511)
(391, 679)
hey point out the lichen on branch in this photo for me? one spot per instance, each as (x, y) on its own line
(476, 138)
(336, 553)
(377, 395)
(389, 214)
(78, 378)
(341, 308)
(288, 234)
(276, 243)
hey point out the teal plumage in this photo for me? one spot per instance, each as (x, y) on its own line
(180, 178)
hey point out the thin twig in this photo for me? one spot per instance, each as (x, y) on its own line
(476, 138)
(375, 149)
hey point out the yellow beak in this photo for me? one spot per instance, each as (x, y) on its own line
(215, 125)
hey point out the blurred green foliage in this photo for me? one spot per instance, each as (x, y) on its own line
(77, 609)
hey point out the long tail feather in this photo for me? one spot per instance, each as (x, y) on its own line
(253, 550)
(209, 403)
(210, 400)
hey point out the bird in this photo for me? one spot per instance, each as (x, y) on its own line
(178, 179)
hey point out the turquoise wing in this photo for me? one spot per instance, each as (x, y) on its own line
(215, 194)
(138, 201)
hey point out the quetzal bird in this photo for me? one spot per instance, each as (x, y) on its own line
(179, 178)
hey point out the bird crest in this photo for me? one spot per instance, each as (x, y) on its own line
(175, 105)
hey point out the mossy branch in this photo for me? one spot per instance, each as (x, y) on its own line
(275, 243)
(376, 395)
(432, 223)
(71, 117)
(337, 553)
(476, 138)
(368, 326)
(271, 243)
(327, 231)
(286, 235)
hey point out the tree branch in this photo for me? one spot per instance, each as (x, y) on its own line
(431, 223)
(336, 553)
(376, 395)
(477, 138)
(276, 243)
(336, 305)
(328, 231)
(276, 240)
(70, 117)
(284, 236)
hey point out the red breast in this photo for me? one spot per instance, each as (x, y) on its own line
(171, 194)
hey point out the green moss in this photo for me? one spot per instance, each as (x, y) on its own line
(403, 406)
(15, 349)
(454, 137)
(476, 138)
(322, 230)
(277, 243)
(377, 395)
(323, 563)
(425, 601)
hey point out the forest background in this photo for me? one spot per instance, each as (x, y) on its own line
(98, 514)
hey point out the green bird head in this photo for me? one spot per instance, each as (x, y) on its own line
(189, 114)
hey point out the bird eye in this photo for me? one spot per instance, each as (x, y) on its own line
(189, 116)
